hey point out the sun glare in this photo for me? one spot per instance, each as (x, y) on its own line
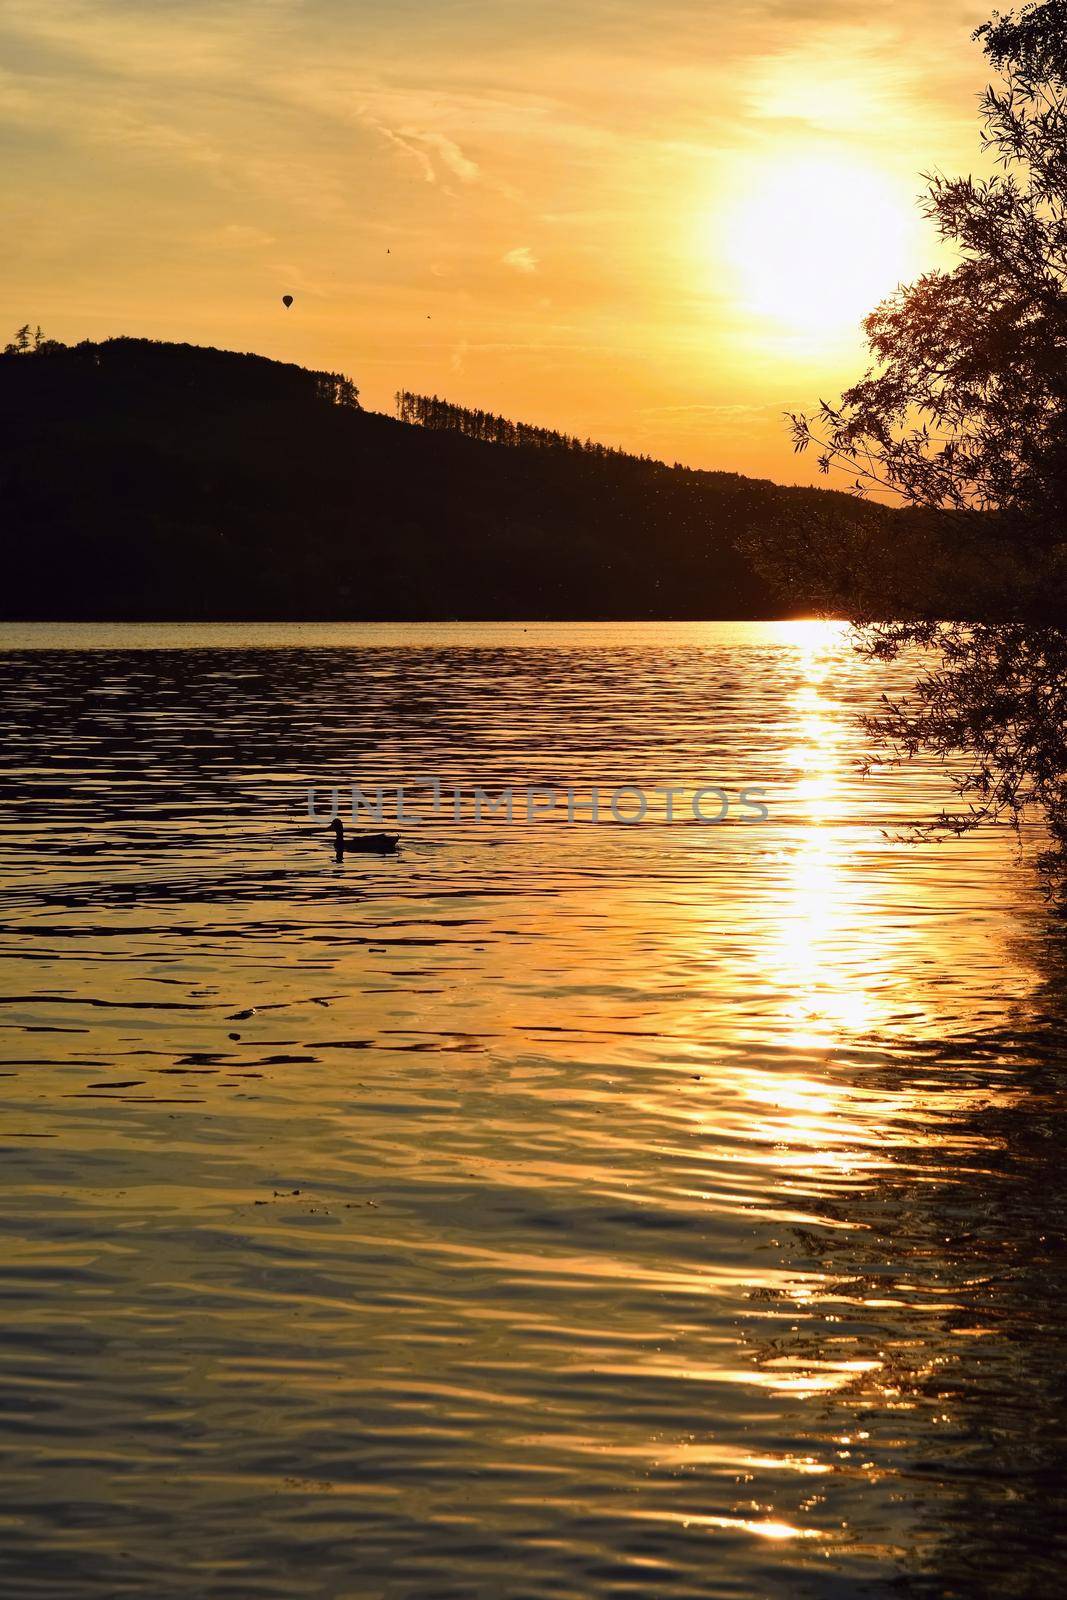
(814, 244)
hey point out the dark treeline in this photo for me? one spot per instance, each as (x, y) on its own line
(428, 411)
(144, 480)
(220, 376)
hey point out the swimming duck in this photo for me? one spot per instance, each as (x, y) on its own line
(378, 844)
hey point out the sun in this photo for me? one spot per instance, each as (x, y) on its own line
(814, 243)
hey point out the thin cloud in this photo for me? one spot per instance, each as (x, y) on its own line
(521, 259)
(738, 409)
(450, 155)
(239, 236)
(434, 154)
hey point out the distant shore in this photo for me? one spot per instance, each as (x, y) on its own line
(175, 483)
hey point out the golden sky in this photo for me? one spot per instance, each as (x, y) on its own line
(655, 222)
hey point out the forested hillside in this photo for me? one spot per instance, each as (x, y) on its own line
(143, 480)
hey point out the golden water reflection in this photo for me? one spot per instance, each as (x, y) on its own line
(582, 1203)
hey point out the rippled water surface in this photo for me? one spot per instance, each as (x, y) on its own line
(553, 1210)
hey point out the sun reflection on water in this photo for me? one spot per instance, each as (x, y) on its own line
(825, 915)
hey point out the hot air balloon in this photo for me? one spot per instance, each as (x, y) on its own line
(287, 301)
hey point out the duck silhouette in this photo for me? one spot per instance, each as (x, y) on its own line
(377, 844)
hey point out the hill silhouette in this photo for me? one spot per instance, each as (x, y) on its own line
(142, 480)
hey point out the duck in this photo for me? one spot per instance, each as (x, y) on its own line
(378, 844)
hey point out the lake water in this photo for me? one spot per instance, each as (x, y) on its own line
(562, 1210)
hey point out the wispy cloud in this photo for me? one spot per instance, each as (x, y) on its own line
(434, 154)
(239, 236)
(448, 154)
(521, 259)
(731, 412)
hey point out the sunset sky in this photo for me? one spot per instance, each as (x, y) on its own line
(655, 222)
